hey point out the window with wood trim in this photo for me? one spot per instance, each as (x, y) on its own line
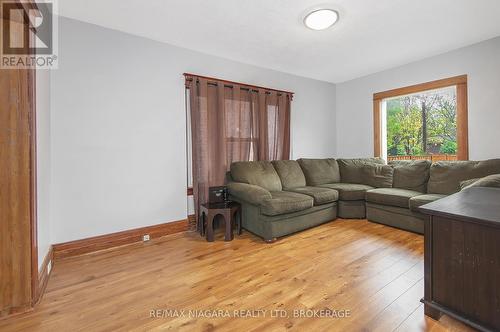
(423, 121)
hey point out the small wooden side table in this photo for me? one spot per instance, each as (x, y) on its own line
(228, 210)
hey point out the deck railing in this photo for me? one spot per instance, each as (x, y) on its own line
(431, 157)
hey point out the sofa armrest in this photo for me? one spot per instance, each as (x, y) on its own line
(488, 181)
(248, 192)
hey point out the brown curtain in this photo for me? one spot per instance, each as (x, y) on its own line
(233, 122)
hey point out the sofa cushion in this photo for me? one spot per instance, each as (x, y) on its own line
(285, 202)
(349, 191)
(290, 173)
(248, 192)
(391, 196)
(259, 173)
(395, 216)
(411, 174)
(487, 181)
(351, 169)
(420, 200)
(445, 176)
(319, 195)
(320, 171)
(377, 175)
(466, 183)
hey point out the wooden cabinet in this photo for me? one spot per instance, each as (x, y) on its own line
(462, 258)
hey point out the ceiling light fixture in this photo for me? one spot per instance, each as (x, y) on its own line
(321, 19)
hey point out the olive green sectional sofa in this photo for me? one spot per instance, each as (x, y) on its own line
(286, 196)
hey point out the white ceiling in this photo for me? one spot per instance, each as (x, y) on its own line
(372, 35)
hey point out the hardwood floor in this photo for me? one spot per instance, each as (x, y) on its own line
(373, 271)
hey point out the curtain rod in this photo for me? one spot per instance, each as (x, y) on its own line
(247, 88)
(233, 82)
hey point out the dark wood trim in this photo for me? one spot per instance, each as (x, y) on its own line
(101, 242)
(462, 122)
(238, 83)
(34, 191)
(443, 83)
(18, 176)
(44, 274)
(34, 166)
(377, 129)
(190, 191)
(462, 111)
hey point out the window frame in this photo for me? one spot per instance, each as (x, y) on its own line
(459, 82)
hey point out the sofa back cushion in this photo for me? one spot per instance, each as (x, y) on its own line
(290, 173)
(351, 170)
(492, 181)
(320, 171)
(445, 176)
(377, 175)
(411, 174)
(259, 173)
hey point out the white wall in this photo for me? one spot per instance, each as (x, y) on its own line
(481, 62)
(118, 127)
(43, 162)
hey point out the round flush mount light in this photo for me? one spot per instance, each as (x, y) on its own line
(321, 19)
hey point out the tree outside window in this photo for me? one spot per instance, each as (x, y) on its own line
(421, 125)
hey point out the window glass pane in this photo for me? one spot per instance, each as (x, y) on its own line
(421, 126)
(272, 130)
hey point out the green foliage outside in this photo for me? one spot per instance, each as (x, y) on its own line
(422, 124)
(449, 147)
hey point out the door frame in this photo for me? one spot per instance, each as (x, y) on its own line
(24, 127)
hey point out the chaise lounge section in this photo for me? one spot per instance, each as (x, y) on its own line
(286, 196)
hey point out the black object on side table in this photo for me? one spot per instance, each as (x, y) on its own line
(228, 210)
(462, 258)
